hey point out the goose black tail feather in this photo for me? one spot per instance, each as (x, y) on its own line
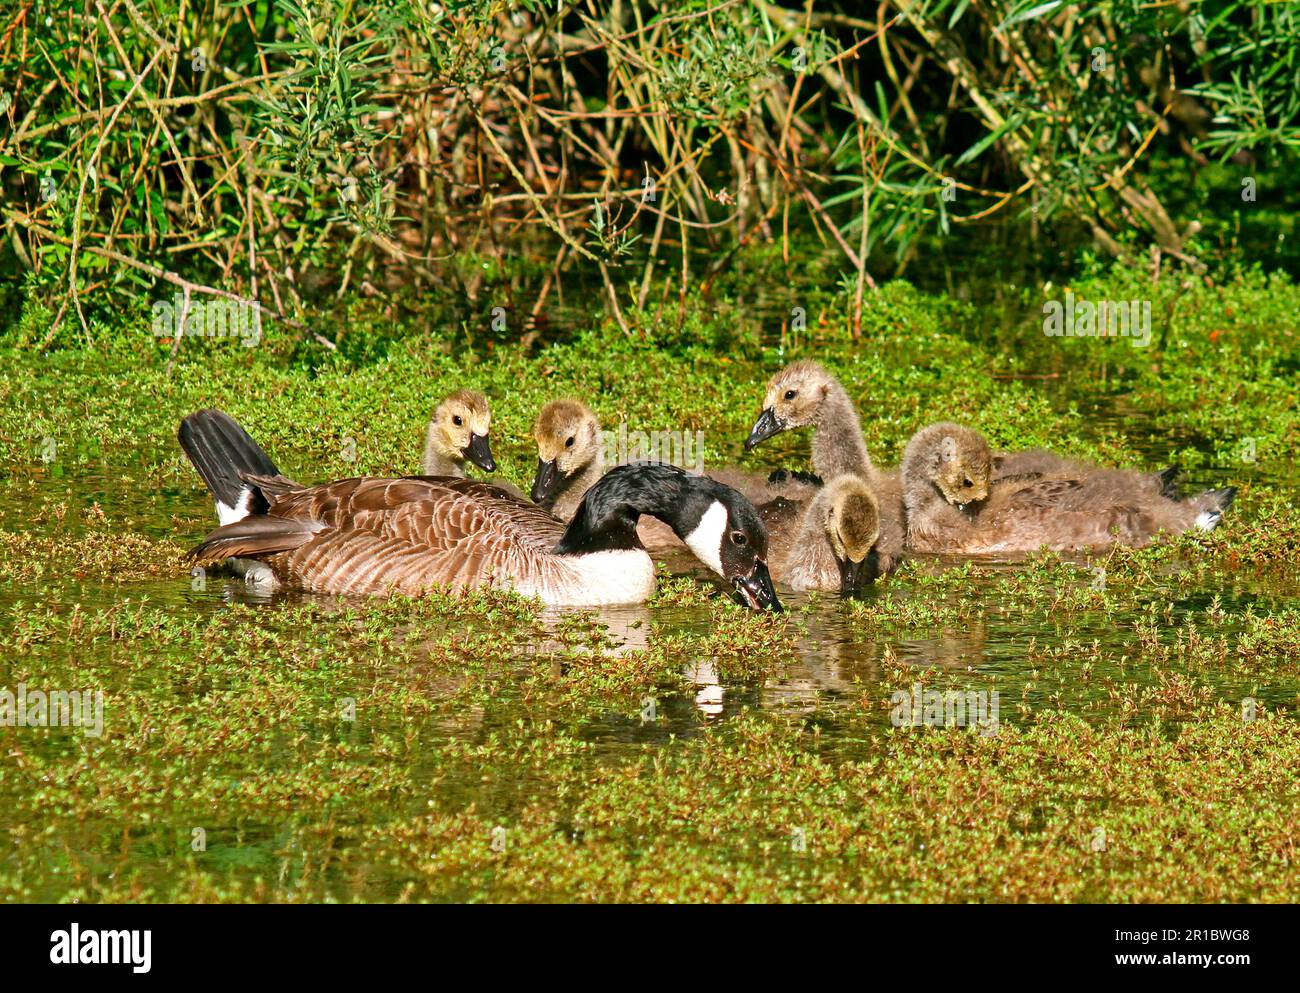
(221, 451)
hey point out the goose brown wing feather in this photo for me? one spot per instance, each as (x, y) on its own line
(368, 535)
(271, 486)
(252, 538)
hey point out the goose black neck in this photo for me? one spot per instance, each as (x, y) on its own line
(606, 519)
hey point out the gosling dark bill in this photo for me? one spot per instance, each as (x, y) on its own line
(545, 481)
(480, 453)
(855, 575)
(766, 426)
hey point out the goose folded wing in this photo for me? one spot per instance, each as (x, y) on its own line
(365, 535)
(457, 533)
(253, 538)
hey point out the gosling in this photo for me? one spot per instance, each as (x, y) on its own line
(831, 545)
(571, 459)
(804, 394)
(458, 433)
(952, 506)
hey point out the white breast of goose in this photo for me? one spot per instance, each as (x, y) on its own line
(595, 579)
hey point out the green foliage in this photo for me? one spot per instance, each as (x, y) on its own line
(292, 149)
(1248, 50)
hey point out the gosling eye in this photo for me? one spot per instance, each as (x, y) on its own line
(457, 420)
(967, 484)
(738, 538)
(568, 443)
(791, 394)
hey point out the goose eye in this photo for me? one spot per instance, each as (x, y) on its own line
(457, 420)
(791, 394)
(738, 537)
(569, 443)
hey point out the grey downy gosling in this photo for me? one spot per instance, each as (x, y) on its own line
(374, 536)
(804, 394)
(830, 545)
(953, 507)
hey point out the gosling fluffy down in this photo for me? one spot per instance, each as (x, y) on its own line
(953, 506)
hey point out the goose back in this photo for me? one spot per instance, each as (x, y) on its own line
(369, 536)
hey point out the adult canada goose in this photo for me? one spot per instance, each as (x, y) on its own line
(804, 394)
(377, 535)
(571, 459)
(951, 506)
(458, 433)
(827, 543)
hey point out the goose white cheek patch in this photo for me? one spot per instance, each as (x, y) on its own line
(706, 540)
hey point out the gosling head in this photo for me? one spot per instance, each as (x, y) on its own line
(794, 399)
(459, 429)
(852, 525)
(568, 440)
(954, 459)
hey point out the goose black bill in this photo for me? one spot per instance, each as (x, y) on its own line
(756, 590)
(545, 481)
(855, 575)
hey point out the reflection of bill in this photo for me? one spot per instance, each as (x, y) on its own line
(709, 692)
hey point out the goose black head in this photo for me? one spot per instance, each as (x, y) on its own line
(725, 532)
(719, 525)
(568, 440)
(793, 400)
(460, 429)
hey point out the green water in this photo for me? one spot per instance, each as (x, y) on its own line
(832, 677)
(663, 751)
